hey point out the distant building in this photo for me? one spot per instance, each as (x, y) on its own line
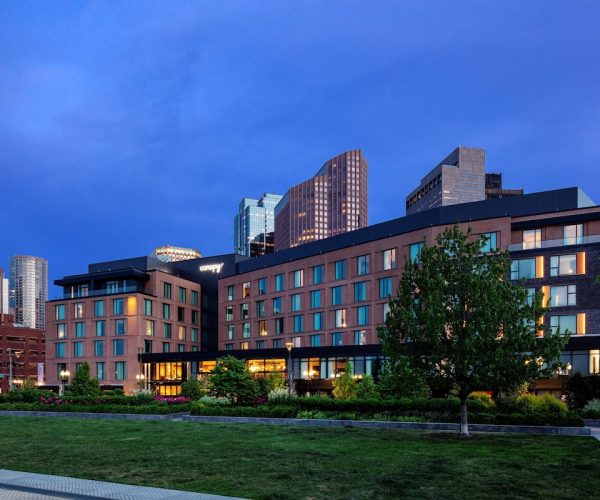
(4, 310)
(458, 178)
(25, 349)
(263, 244)
(254, 218)
(169, 253)
(332, 202)
(493, 187)
(28, 290)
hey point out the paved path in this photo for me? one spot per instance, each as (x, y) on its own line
(26, 485)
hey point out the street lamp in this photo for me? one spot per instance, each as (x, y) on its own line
(11, 382)
(64, 378)
(140, 377)
(289, 346)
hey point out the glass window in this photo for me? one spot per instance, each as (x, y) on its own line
(230, 332)
(260, 344)
(244, 346)
(561, 296)
(561, 265)
(98, 348)
(336, 296)
(246, 289)
(150, 327)
(230, 292)
(317, 321)
(167, 330)
(315, 340)
(118, 307)
(182, 294)
(279, 282)
(389, 259)
(415, 252)
(180, 314)
(386, 310)
(100, 328)
(315, 299)
(59, 349)
(166, 347)
(181, 332)
(194, 334)
(362, 265)
(340, 318)
(243, 311)
(147, 307)
(229, 347)
(298, 323)
(194, 298)
(120, 370)
(277, 343)
(262, 328)
(60, 311)
(229, 313)
(318, 272)
(262, 286)
(573, 234)
(360, 337)
(385, 287)
(100, 371)
(120, 327)
(522, 269)
(491, 242)
(279, 326)
(167, 290)
(245, 330)
(194, 317)
(61, 330)
(297, 341)
(260, 308)
(180, 348)
(119, 347)
(337, 338)
(530, 295)
(360, 291)
(78, 310)
(80, 329)
(340, 269)
(362, 315)
(277, 303)
(296, 302)
(532, 238)
(98, 308)
(166, 311)
(298, 278)
(567, 324)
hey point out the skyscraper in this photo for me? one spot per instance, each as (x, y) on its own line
(253, 224)
(332, 202)
(28, 290)
(3, 295)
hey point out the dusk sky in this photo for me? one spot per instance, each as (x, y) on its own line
(124, 126)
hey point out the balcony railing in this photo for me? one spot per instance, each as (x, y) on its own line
(563, 242)
(74, 294)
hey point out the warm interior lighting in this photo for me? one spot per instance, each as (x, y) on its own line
(539, 266)
(131, 306)
(546, 296)
(540, 331)
(580, 262)
(581, 324)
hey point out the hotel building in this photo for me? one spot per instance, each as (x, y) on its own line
(332, 202)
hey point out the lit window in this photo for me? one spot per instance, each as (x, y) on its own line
(561, 265)
(415, 252)
(181, 333)
(389, 259)
(298, 278)
(262, 328)
(561, 296)
(246, 289)
(150, 327)
(340, 318)
(61, 330)
(78, 310)
(532, 238)
(360, 337)
(573, 234)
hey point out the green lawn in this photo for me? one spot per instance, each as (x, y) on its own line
(260, 461)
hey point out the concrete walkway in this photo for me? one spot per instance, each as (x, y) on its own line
(26, 485)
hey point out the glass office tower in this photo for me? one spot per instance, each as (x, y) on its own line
(28, 290)
(254, 224)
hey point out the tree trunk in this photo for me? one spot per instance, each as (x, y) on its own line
(464, 422)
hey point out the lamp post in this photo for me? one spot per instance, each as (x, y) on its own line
(141, 378)
(11, 383)
(289, 346)
(64, 378)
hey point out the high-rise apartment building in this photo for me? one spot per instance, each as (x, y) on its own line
(253, 223)
(3, 295)
(332, 202)
(28, 290)
(458, 178)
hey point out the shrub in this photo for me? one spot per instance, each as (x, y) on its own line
(310, 414)
(194, 388)
(232, 380)
(582, 389)
(279, 395)
(592, 408)
(279, 411)
(366, 388)
(27, 395)
(344, 387)
(484, 398)
(83, 384)
(399, 380)
(144, 395)
(212, 401)
(530, 403)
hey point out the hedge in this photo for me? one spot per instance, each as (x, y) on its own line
(278, 411)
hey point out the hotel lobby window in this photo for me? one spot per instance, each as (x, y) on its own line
(318, 272)
(337, 338)
(230, 332)
(296, 302)
(78, 310)
(532, 238)
(573, 234)
(299, 278)
(118, 307)
(262, 286)
(362, 264)
(120, 370)
(415, 252)
(61, 330)
(279, 282)
(562, 265)
(59, 312)
(340, 318)
(360, 337)
(336, 296)
(491, 242)
(340, 270)
(315, 340)
(277, 305)
(230, 292)
(561, 296)
(246, 289)
(389, 259)
(120, 327)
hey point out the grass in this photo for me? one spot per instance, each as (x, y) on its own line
(272, 462)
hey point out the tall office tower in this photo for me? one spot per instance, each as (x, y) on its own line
(458, 178)
(494, 189)
(254, 218)
(28, 290)
(169, 253)
(332, 202)
(4, 311)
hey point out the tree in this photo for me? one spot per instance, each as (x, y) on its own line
(194, 388)
(344, 386)
(366, 388)
(83, 384)
(400, 380)
(232, 380)
(459, 318)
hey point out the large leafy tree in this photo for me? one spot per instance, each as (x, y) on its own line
(458, 317)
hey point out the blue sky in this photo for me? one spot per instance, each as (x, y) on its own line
(127, 125)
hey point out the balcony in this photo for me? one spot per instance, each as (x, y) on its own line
(74, 294)
(562, 242)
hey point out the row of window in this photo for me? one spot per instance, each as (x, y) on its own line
(316, 340)
(120, 328)
(560, 265)
(168, 293)
(118, 348)
(572, 235)
(120, 369)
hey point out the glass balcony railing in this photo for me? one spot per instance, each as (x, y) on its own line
(75, 294)
(563, 242)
